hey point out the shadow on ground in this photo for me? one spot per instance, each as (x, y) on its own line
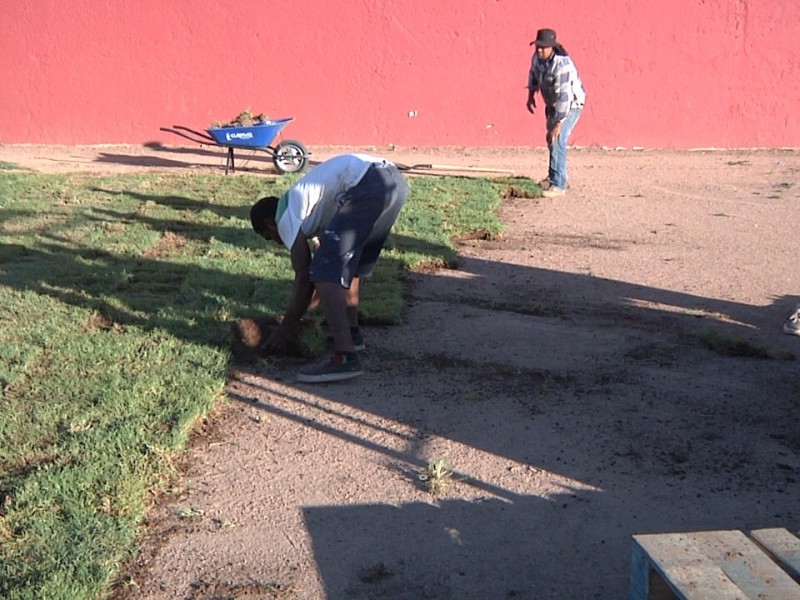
(575, 411)
(206, 156)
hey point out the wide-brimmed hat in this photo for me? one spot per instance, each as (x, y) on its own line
(545, 38)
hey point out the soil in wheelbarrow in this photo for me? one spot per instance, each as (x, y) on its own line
(569, 372)
(243, 119)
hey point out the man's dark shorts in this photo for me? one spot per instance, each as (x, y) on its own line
(352, 241)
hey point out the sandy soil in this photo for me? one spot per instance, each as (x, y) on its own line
(561, 372)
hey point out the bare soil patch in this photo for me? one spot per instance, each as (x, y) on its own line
(563, 371)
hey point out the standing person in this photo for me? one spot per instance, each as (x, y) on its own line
(344, 208)
(554, 75)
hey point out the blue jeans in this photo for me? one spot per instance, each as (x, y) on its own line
(558, 149)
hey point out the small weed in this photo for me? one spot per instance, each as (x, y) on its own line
(437, 476)
(189, 512)
(223, 523)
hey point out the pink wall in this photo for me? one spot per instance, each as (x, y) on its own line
(688, 73)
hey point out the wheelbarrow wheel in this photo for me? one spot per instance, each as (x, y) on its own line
(290, 156)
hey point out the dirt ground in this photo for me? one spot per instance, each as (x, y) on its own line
(561, 371)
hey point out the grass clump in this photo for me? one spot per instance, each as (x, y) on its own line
(437, 476)
(116, 298)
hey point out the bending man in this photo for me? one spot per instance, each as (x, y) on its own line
(334, 221)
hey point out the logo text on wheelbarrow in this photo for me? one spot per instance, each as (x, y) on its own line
(244, 135)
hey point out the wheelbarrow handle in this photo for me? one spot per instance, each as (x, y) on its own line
(183, 135)
(201, 134)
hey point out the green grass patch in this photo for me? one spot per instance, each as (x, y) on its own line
(116, 298)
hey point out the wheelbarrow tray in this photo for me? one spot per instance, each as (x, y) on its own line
(251, 136)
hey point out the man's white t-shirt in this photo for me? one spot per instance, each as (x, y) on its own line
(311, 202)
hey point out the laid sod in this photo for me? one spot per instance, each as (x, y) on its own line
(116, 298)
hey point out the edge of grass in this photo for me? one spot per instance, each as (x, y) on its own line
(116, 298)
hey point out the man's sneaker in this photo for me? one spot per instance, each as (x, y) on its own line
(338, 368)
(792, 325)
(358, 340)
(554, 192)
(545, 183)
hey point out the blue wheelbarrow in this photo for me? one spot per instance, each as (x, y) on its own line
(288, 156)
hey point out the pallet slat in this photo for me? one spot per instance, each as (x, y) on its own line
(706, 565)
(783, 546)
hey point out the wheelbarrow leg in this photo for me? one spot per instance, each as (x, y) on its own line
(229, 165)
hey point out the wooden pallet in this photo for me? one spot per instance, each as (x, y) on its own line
(716, 565)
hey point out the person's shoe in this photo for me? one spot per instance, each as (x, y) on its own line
(554, 192)
(792, 325)
(358, 339)
(338, 368)
(545, 183)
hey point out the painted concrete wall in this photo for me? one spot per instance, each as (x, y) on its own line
(688, 73)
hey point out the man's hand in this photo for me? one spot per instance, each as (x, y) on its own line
(531, 103)
(554, 133)
(315, 301)
(280, 339)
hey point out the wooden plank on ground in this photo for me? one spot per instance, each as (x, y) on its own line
(783, 546)
(713, 565)
(680, 563)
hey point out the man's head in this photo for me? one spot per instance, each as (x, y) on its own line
(262, 218)
(545, 43)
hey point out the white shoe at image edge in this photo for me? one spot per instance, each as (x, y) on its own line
(792, 325)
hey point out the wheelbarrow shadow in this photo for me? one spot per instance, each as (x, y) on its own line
(155, 155)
